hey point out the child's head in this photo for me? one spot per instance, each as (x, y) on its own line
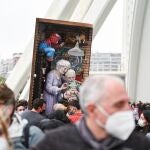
(70, 75)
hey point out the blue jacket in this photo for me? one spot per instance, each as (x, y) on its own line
(16, 133)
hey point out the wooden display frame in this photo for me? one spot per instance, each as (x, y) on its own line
(41, 66)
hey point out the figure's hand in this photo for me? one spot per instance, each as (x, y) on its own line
(67, 95)
(64, 86)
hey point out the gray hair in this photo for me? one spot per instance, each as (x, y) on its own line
(63, 63)
(93, 89)
(70, 72)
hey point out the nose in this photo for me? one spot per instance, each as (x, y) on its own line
(65, 69)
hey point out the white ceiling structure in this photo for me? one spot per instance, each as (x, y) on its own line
(138, 80)
(95, 12)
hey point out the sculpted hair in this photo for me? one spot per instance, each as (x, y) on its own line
(93, 89)
(62, 63)
(71, 73)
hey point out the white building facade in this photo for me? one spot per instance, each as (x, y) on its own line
(105, 62)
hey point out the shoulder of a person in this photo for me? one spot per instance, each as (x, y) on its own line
(52, 72)
(35, 130)
(63, 131)
(36, 113)
(138, 139)
(35, 135)
(26, 112)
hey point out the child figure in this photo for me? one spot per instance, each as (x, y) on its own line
(72, 86)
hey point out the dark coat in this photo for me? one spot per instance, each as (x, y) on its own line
(68, 138)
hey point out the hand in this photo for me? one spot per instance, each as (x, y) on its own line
(64, 86)
(67, 94)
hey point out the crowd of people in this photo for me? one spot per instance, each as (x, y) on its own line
(96, 114)
(141, 112)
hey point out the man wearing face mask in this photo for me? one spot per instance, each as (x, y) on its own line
(108, 122)
(21, 106)
(33, 116)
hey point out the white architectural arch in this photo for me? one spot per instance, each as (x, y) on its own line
(139, 60)
(95, 12)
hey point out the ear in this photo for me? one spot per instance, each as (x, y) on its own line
(91, 109)
(40, 108)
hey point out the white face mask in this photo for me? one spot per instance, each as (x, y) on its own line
(20, 112)
(141, 122)
(120, 124)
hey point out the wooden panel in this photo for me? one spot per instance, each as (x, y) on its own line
(68, 32)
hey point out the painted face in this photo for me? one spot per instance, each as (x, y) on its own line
(71, 78)
(63, 69)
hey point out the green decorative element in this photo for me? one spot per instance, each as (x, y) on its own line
(74, 85)
(2, 80)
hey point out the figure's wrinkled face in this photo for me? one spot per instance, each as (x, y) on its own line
(63, 69)
(71, 78)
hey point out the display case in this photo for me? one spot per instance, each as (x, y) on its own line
(55, 40)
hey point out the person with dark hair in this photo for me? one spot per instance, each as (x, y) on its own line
(144, 123)
(21, 106)
(59, 115)
(16, 126)
(49, 124)
(33, 116)
(74, 113)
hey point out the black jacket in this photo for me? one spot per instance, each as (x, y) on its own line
(68, 138)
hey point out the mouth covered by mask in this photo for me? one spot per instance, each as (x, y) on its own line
(141, 122)
(119, 124)
(20, 112)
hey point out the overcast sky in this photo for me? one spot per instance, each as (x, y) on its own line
(18, 22)
(109, 37)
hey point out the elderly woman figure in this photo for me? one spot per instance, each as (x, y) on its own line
(55, 84)
(72, 86)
